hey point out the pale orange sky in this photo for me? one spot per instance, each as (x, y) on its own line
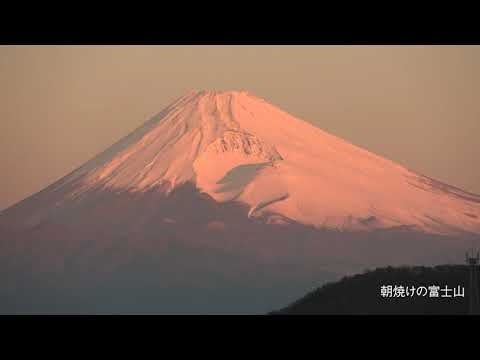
(416, 105)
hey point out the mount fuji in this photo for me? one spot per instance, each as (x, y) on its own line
(222, 203)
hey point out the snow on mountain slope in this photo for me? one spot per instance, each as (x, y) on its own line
(235, 146)
(222, 203)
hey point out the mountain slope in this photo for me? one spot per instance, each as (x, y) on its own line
(361, 294)
(235, 146)
(221, 203)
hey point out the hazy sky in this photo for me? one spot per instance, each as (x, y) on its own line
(416, 105)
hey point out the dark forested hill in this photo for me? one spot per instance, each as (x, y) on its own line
(413, 291)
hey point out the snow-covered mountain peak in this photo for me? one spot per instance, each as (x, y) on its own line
(222, 196)
(235, 146)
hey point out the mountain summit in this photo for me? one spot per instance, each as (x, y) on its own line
(222, 203)
(235, 146)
